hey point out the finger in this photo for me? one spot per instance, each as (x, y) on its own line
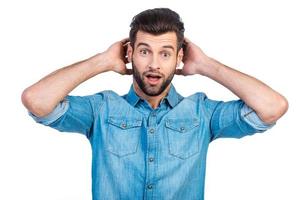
(186, 40)
(125, 59)
(179, 72)
(185, 45)
(128, 71)
(124, 56)
(125, 41)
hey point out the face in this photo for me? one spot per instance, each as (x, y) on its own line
(154, 60)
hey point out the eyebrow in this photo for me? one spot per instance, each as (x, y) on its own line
(147, 45)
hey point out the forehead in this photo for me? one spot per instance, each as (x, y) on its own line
(156, 41)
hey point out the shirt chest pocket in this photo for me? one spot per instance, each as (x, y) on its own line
(183, 137)
(123, 135)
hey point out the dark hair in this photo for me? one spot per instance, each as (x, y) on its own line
(157, 21)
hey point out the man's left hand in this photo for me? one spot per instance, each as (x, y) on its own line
(194, 60)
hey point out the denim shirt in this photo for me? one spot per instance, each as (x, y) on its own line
(144, 153)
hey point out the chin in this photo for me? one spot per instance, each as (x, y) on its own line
(154, 90)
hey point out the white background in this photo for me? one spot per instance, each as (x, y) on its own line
(258, 37)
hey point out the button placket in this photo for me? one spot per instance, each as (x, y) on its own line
(151, 152)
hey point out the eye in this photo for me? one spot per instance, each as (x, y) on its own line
(144, 52)
(165, 54)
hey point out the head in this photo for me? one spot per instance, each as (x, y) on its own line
(155, 50)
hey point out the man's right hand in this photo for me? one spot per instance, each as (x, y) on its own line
(114, 58)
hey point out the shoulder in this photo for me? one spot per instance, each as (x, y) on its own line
(103, 96)
(95, 100)
(204, 103)
(199, 96)
(202, 99)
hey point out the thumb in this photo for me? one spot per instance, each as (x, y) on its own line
(124, 70)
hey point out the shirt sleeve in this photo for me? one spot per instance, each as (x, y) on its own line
(73, 114)
(234, 119)
(58, 111)
(250, 116)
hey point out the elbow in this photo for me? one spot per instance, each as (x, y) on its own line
(26, 98)
(284, 106)
(276, 111)
(33, 105)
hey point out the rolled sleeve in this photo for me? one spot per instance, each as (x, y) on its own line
(58, 111)
(250, 116)
(75, 114)
(234, 119)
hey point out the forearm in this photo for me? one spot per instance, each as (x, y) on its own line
(42, 97)
(267, 103)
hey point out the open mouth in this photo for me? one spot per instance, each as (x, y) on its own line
(153, 78)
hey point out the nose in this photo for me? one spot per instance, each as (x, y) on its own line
(154, 63)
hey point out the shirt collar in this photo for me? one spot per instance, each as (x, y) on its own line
(173, 98)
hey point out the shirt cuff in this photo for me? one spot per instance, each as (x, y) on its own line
(58, 111)
(250, 116)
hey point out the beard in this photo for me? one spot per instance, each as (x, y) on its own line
(148, 89)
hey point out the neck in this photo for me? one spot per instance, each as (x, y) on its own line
(152, 100)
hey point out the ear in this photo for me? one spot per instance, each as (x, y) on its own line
(179, 57)
(129, 53)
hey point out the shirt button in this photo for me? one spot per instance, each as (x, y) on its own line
(152, 130)
(153, 114)
(123, 125)
(151, 159)
(150, 187)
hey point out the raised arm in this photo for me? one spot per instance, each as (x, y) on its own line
(42, 97)
(266, 102)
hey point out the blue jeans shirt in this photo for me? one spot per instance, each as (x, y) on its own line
(144, 153)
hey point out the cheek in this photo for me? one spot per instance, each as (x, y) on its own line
(140, 63)
(172, 66)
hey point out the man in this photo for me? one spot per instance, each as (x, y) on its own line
(151, 143)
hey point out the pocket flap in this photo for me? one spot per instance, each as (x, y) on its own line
(125, 123)
(182, 125)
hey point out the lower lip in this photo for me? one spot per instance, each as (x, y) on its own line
(153, 81)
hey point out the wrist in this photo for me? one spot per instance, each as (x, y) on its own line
(208, 67)
(99, 63)
(214, 69)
